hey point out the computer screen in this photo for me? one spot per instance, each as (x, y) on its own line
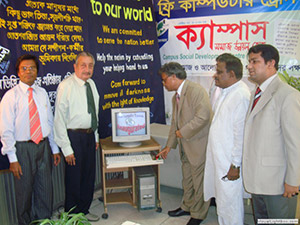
(130, 126)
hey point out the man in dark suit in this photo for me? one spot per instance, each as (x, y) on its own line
(189, 129)
(271, 156)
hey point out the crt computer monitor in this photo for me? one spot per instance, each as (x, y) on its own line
(130, 126)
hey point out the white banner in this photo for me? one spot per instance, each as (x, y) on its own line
(196, 42)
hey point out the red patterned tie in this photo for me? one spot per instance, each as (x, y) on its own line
(34, 120)
(177, 98)
(256, 97)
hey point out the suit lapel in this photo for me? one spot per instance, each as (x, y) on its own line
(264, 99)
(250, 103)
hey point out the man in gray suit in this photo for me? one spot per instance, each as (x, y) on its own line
(189, 129)
(271, 156)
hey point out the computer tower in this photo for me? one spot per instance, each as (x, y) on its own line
(146, 187)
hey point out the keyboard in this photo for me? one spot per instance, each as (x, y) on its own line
(131, 161)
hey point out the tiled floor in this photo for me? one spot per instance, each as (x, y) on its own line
(170, 198)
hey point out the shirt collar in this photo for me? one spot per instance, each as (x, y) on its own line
(266, 83)
(180, 88)
(24, 87)
(228, 89)
(78, 80)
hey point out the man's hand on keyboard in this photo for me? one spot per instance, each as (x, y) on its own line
(164, 152)
(131, 160)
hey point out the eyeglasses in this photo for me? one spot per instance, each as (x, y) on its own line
(30, 68)
(165, 80)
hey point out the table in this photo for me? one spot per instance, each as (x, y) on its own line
(108, 185)
(170, 171)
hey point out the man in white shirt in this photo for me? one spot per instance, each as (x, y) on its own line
(26, 145)
(225, 142)
(271, 168)
(76, 133)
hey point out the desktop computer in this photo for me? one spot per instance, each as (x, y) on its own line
(146, 187)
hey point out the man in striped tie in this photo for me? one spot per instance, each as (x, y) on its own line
(189, 131)
(271, 168)
(26, 131)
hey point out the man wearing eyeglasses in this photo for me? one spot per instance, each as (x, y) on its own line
(189, 130)
(271, 168)
(26, 133)
(222, 178)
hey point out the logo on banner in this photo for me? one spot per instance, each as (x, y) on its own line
(162, 32)
(4, 59)
(4, 3)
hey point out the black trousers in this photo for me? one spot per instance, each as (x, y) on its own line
(34, 192)
(80, 179)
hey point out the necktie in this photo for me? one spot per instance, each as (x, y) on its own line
(91, 106)
(256, 97)
(34, 120)
(177, 98)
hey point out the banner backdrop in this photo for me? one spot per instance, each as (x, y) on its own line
(198, 38)
(120, 34)
(195, 32)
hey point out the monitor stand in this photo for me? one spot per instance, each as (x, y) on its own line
(130, 144)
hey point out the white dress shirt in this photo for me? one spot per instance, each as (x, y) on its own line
(14, 118)
(180, 88)
(266, 83)
(71, 110)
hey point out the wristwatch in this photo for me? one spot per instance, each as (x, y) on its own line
(234, 166)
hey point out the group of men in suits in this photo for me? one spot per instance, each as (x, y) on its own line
(269, 154)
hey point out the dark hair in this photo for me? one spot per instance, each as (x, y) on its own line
(268, 52)
(84, 53)
(173, 68)
(27, 57)
(232, 64)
